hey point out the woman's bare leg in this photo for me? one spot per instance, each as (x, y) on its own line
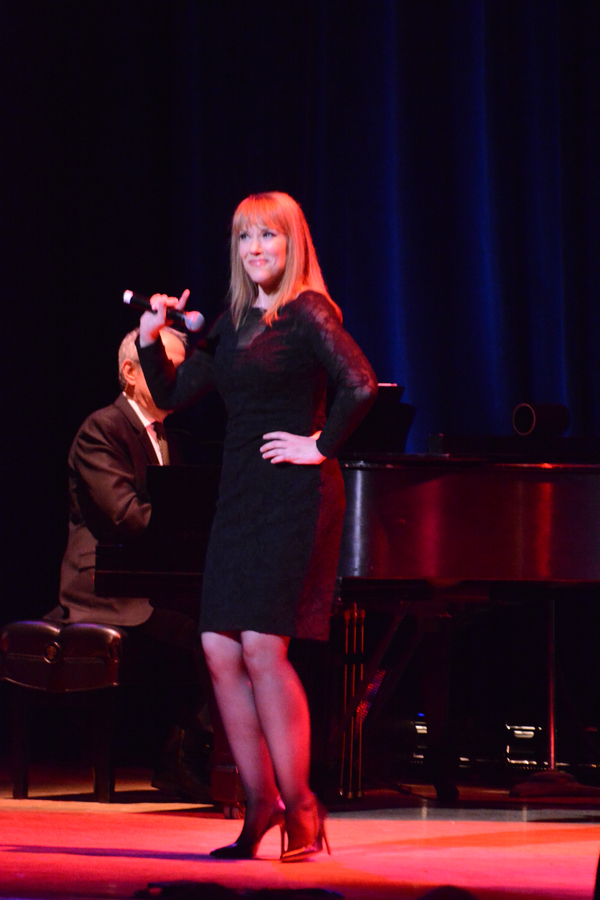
(283, 714)
(235, 699)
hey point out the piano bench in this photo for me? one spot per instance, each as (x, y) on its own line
(75, 664)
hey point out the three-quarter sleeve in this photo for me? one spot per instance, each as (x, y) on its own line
(356, 384)
(174, 388)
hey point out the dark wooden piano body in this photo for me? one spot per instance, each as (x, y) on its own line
(444, 520)
(419, 518)
(420, 532)
(426, 535)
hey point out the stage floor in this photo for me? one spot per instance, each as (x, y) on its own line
(60, 844)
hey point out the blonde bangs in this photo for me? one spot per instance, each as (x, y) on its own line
(258, 209)
(302, 272)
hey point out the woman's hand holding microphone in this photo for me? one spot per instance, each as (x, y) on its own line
(152, 323)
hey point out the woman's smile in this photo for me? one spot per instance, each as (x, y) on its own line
(263, 252)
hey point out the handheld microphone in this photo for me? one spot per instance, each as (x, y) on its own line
(192, 319)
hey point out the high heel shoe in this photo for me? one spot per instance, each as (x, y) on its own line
(317, 814)
(247, 847)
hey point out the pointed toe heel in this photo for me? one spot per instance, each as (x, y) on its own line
(238, 850)
(318, 814)
(247, 847)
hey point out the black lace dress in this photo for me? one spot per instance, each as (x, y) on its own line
(272, 556)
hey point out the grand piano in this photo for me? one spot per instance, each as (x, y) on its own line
(422, 533)
(437, 520)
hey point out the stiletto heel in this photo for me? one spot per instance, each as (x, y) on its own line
(282, 836)
(323, 835)
(318, 814)
(246, 848)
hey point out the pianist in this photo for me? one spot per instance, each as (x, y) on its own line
(108, 502)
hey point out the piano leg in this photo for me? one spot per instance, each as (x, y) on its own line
(354, 649)
(552, 782)
(438, 755)
(369, 686)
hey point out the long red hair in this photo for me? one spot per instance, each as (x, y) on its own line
(302, 272)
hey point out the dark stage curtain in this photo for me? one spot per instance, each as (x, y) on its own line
(445, 152)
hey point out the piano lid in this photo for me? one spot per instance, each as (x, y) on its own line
(540, 448)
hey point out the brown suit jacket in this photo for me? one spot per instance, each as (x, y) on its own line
(107, 502)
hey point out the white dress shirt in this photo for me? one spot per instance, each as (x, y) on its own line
(148, 425)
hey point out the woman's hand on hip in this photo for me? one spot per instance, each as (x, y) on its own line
(282, 447)
(152, 323)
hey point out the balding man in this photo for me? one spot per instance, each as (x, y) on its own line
(108, 502)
